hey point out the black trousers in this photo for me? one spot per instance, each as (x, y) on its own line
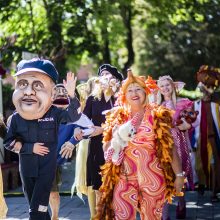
(37, 191)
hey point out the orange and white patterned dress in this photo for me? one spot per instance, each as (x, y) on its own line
(142, 184)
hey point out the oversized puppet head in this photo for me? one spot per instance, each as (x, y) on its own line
(177, 86)
(34, 84)
(110, 78)
(138, 83)
(208, 78)
(60, 98)
(168, 89)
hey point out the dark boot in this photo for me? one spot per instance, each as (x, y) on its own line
(181, 213)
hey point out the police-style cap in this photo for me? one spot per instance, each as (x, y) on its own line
(38, 65)
(111, 69)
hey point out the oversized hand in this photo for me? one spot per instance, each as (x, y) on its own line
(178, 184)
(97, 131)
(40, 149)
(70, 84)
(78, 134)
(67, 150)
(17, 147)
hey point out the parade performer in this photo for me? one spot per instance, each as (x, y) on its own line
(66, 145)
(167, 96)
(207, 134)
(100, 100)
(80, 184)
(35, 124)
(3, 206)
(144, 175)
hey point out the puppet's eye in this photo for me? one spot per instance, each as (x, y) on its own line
(22, 84)
(38, 85)
(64, 91)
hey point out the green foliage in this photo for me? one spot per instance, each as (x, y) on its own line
(155, 36)
(184, 36)
(7, 92)
(58, 29)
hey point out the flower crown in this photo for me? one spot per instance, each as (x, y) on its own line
(161, 78)
(178, 85)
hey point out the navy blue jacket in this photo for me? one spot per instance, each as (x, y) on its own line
(43, 130)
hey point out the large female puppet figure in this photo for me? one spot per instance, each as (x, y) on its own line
(167, 96)
(138, 173)
(80, 184)
(100, 100)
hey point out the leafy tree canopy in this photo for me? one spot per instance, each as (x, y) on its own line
(153, 36)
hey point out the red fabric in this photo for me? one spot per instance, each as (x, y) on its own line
(204, 140)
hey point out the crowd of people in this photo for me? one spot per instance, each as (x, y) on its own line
(139, 144)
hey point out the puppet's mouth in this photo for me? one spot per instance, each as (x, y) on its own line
(61, 101)
(135, 98)
(28, 101)
(166, 91)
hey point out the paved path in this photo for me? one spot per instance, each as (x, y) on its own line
(198, 207)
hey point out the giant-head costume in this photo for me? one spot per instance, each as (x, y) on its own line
(177, 86)
(61, 98)
(110, 79)
(148, 85)
(34, 84)
(208, 78)
(208, 81)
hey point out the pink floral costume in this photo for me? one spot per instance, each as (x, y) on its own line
(142, 185)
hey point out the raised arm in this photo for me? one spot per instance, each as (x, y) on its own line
(72, 113)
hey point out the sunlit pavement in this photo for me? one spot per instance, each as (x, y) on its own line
(71, 209)
(198, 207)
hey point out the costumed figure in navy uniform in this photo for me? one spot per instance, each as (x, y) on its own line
(35, 124)
(66, 144)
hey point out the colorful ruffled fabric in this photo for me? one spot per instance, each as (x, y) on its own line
(161, 145)
(180, 106)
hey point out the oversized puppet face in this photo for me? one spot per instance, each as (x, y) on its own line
(60, 98)
(166, 87)
(210, 77)
(33, 95)
(206, 92)
(108, 81)
(135, 95)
